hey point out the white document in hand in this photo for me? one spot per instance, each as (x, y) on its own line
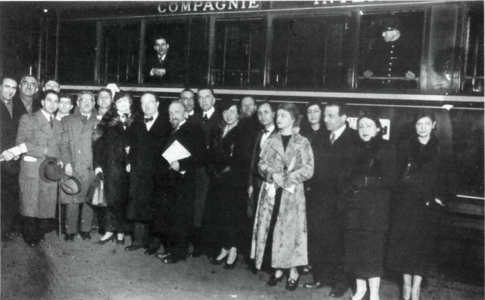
(175, 152)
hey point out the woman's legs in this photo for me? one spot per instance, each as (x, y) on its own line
(374, 284)
(232, 255)
(406, 288)
(361, 289)
(294, 273)
(107, 235)
(222, 254)
(416, 291)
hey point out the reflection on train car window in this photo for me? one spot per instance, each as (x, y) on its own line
(308, 52)
(120, 53)
(390, 50)
(473, 82)
(175, 34)
(239, 54)
(77, 46)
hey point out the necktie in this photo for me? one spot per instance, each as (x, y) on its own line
(332, 138)
(84, 119)
(264, 131)
(51, 121)
(205, 118)
(148, 119)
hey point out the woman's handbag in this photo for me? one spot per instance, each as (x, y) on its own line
(95, 195)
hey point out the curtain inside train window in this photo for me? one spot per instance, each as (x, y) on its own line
(77, 52)
(119, 53)
(310, 52)
(239, 53)
(390, 50)
(473, 82)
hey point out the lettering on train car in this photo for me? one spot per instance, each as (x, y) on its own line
(207, 6)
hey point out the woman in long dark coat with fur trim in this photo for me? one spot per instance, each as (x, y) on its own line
(367, 188)
(419, 190)
(110, 157)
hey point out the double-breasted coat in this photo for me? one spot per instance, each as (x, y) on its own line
(77, 136)
(37, 197)
(289, 248)
(368, 186)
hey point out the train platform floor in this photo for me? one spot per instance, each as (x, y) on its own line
(56, 269)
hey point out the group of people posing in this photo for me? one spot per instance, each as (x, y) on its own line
(247, 179)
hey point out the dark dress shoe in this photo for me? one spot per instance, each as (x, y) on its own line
(217, 262)
(171, 259)
(313, 285)
(85, 235)
(195, 254)
(252, 269)
(231, 266)
(133, 248)
(69, 237)
(337, 291)
(292, 284)
(273, 280)
(120, 242)
(151, 250)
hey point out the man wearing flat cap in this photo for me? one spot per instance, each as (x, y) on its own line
(393, 62)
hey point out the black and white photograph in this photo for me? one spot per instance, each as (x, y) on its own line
(242, 149)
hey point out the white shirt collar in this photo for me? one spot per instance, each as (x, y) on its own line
(84, 115)
(46, 115)
(270, 129)
(162, 57)
(339, 132)
(181, 123)
(209, 112)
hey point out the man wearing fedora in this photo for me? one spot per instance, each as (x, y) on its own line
(78, 159)
(38, 142)
(393, 61)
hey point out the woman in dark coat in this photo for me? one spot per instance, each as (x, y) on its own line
(312, 128)
(414, 219)
(110, 157)
(230, 167)
(366, 194)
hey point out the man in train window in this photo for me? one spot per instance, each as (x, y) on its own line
(163, 66)
(393, 61)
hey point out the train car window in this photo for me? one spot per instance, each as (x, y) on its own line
(473, 82)
(308, 52)
(77, 52)
(390, 50)
(239, 53)
(198, 63)
(120, 53)
(166, 45)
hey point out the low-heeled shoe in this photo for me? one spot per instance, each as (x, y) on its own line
(273, 280)
(231, 266)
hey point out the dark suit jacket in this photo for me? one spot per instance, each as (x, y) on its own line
(146, 148)
(209, 126)
(255, 178)
(8, 132)
(173, 66)
(179, 210)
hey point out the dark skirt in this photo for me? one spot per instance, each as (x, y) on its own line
(364, 253)
(412, 236)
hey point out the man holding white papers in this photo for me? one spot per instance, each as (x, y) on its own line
(147, 138)
(180, 207)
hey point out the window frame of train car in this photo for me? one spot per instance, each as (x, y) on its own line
(358, 51)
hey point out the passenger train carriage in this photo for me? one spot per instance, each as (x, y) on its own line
(285, 51)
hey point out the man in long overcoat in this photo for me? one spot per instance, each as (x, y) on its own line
(179, 208)
(78, 129)
(147, 137)
(39, 137)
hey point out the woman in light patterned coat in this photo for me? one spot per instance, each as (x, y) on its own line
(280, 228)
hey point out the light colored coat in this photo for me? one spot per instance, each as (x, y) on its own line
(77, 139)
(38, 198)
(289, 247)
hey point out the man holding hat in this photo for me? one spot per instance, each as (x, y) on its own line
(78, 129)
(394, 61)
(39, 144)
